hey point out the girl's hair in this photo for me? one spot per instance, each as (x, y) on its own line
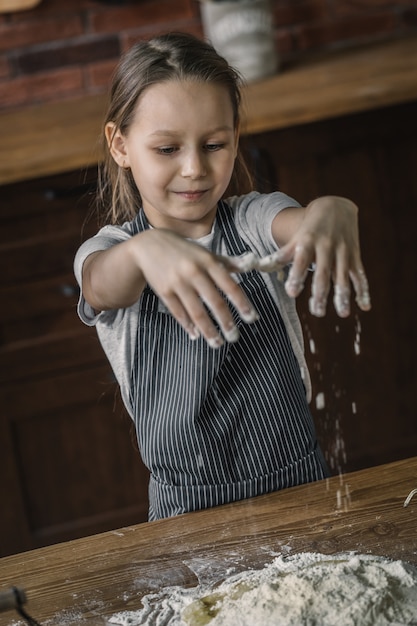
(173, 56)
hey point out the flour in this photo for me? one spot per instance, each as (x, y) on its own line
(306, 589)
(357, 342)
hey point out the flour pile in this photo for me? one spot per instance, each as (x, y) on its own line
(306, 589)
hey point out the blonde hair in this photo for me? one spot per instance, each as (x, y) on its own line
(173, 56)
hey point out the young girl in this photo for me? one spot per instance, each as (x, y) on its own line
(184, 287)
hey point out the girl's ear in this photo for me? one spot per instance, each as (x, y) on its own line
(117, 144)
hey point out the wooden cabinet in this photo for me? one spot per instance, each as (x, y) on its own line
(69, 462)
(363, 368)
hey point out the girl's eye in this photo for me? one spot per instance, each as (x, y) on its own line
(169, 150)
(166, 150)
(213, 147)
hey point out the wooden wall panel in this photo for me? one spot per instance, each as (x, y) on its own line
(69, 456)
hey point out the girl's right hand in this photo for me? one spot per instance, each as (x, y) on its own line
(188, 278)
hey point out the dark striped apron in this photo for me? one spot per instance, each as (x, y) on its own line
(219, 425)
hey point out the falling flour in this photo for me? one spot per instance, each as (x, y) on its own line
(357, 342)
(306, 589)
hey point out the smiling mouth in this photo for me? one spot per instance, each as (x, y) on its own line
(192, 195)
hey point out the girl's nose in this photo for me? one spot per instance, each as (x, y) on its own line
(193, 165)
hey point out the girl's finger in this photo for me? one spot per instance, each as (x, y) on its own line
(217, 305)
(243, 263)
(341, 300)
(178, 311)
(297, 275)
(341, 290)
(320, 286)
(198, 300)
(231, 289)
(360, 284)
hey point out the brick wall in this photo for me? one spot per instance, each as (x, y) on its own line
(66, 49)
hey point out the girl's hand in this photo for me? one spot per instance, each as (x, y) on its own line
(188, 279)
(327, 237)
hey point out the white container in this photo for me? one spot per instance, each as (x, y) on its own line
(242, 31)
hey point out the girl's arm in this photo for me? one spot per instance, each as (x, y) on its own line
(111, 277)
(184, 275)
(325, 234)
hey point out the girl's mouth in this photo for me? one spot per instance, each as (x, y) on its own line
(192, 195)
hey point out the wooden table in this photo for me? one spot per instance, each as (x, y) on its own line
(87, 580)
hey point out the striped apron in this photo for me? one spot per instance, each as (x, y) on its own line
(219, 425)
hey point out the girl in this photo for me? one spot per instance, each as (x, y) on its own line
(184, 289)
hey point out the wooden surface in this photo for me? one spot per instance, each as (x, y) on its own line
(10, 6)
(52, 138)
(87, 580)
(346, 82)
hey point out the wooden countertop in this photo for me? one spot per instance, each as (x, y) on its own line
(53, 138)
(87, 580)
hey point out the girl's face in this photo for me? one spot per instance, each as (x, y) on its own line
(181, 149)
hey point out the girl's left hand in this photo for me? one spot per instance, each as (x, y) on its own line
(328, 238)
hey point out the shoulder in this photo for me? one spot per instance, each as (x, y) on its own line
(105, 238)
(265, 202)
(117, 232)
(254, 213)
